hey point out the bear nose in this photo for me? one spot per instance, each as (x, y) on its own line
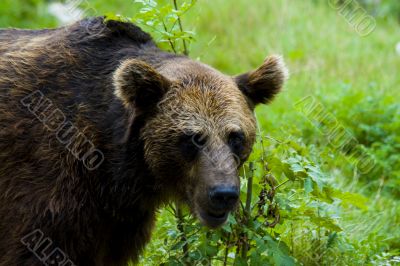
(223, 197)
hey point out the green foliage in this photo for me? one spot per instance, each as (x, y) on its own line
(383, 8)
(164, 21)
(373, 119)
(25, 14)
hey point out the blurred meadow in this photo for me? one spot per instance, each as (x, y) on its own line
(332, 209)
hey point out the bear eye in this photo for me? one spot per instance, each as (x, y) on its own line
(199, 139)
(191, 144)
(236, 142)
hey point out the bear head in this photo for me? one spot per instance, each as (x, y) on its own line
(199, 127)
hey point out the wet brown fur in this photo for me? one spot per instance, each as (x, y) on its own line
(132, 101)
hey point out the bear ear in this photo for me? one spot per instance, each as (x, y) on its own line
(262, 84)
(139, 86)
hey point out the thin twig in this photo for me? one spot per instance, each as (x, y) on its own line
(183, 237)
(169, 40)
(247, 213)
(249, 190)
(281, 184)
(227, 249)
(185, 50)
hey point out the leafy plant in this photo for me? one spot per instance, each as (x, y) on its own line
(164, 21)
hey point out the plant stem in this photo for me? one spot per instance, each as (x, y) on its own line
(249, 190)
(227, 249)
(247, 213)
(181, 229)
(291, 236)
(281, 184)
(169, 40)
(185, 50)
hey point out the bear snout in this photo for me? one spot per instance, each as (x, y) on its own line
(221, 200)
(223, 197)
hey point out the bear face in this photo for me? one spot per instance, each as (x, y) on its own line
(200, 127)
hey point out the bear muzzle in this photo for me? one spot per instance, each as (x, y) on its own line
(221, 201)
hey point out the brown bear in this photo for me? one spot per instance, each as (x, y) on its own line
(99, 128)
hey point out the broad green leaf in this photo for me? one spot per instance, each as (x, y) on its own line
(308, 185)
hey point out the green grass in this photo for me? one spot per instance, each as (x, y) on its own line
(25, 14)
(355, 78)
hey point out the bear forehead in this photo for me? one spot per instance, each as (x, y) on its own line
(201, 87)
(207, 105)
(202, 99)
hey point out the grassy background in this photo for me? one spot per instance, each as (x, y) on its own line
(356, 78)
